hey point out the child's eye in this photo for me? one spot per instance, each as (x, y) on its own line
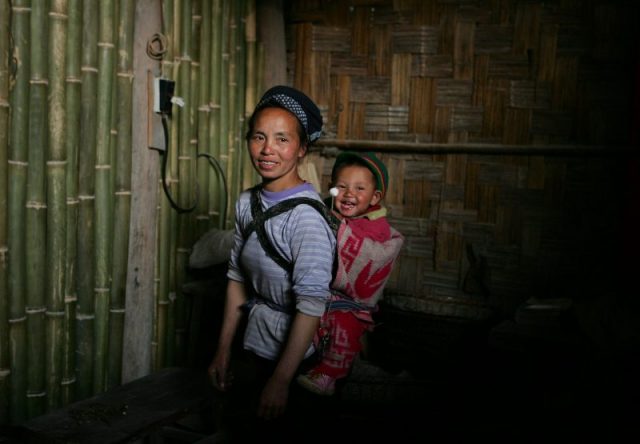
(257, 137)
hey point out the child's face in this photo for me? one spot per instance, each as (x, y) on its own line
(356, 190)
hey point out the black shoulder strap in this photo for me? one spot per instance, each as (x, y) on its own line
(260, 217)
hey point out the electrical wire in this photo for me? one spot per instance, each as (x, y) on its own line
(163, 171)
(214, 162)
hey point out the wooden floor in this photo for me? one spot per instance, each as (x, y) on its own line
(434, 381)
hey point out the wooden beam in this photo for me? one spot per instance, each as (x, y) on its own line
(139, 308)
(403, 147)
(270, 24)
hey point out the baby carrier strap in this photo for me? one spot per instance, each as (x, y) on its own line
(260, 217)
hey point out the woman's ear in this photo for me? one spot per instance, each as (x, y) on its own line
(376, 198)
(303, 151)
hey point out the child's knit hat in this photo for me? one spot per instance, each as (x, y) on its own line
(369, 160)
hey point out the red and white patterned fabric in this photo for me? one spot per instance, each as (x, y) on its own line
(367, 250)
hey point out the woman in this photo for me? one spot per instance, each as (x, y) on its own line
(286, 305)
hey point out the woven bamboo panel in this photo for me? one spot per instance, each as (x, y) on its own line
(492, 72)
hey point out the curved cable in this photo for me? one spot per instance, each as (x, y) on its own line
(214, 162)
(163, 172)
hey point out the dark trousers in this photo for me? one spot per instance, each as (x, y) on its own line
(304, 420)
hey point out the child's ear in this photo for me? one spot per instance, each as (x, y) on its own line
(376, 198)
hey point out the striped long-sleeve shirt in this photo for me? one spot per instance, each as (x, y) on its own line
(303, 238)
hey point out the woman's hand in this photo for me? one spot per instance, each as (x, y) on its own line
(221, 377)
(273, 400)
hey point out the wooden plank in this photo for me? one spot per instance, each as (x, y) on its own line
(371, 90)
(416, 39)
(133, 410)
(467, 118)
(493, 39)
(343, 63)
(529, 94)
(547, 52)
(380, 52)
(440, 65)
(527, 27)
(400, 79)
(271, 36)
(422, 106)
(453, 92)
(331, 38)
(139, 305)
(361, 31)
(463, 50)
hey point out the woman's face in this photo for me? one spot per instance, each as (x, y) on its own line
(275, 148)
(356, 190)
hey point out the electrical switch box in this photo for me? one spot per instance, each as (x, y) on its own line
(162, 95)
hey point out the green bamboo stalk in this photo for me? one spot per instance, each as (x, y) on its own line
(251, 88)
(164, 211)
(73, 74)
(17, 164)
(36, 212)
(192, 224)
(202, 217)
(122, 188)
(85, 315)
(240, 76)
(231, 87)
(185, 185)
(104, 204)
(167, 215)
(174, 148)
(251, 58)
(156, 288)
(260, 56)
(223, 136)
(5, 370)
(56, 201)
(215, 190)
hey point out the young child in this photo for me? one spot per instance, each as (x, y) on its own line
(366, 251)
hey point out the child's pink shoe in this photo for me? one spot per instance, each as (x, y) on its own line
(318, 383)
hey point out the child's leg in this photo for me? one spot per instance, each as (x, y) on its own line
(345, 331)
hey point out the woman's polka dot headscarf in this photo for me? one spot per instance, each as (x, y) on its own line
(297, 103)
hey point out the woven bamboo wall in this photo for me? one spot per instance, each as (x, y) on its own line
(480, 229)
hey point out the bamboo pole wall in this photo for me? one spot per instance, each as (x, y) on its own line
(36, 205)
(66, 189)
(73, 109)
(17, 176)
(4, 145)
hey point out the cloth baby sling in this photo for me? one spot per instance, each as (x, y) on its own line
(260, 216)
